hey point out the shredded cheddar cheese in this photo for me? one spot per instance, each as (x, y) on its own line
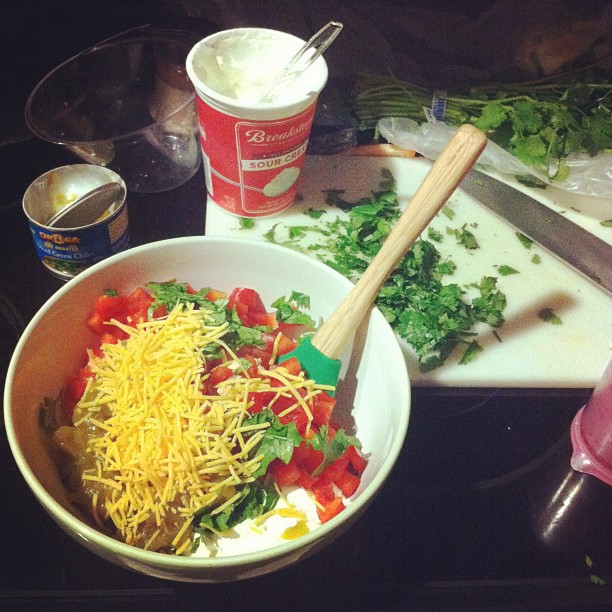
(162, 448)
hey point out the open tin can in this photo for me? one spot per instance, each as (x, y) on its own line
(68, 251)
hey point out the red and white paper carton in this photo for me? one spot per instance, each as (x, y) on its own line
(253, 151)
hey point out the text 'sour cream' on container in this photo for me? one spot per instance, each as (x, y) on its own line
(68, 251)
(253, 151)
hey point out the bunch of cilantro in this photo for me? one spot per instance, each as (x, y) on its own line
(539, 122)
(433, 317)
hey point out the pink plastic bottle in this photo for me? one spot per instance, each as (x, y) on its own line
(591, 432)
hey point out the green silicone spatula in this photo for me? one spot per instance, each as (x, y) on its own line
(319, 355)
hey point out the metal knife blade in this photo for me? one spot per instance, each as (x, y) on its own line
(585, 252)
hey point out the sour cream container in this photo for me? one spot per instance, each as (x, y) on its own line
(67, 251)
(253, 151)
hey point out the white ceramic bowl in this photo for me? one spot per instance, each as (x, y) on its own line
(374, 391)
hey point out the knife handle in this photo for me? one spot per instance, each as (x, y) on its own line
(444, 176)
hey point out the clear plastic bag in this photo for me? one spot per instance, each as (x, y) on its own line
(587, 175)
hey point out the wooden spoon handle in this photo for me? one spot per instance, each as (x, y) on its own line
(446, 173)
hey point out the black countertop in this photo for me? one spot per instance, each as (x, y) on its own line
(481, 512)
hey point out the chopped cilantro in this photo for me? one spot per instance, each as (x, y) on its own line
(470, 353)
(315, 213)
(547, 314)
(278, 440)
(434, 235)
(246, 223)
(449, 212)
(431, 316)
(288, 310)
(256, 498)
(606, 223)
(170, 293)
(506, 270)
(536, 259)
(295, 231)
(332, 449)
(530, 181)
(464, 237)
(526, 242)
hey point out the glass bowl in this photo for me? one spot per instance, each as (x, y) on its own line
(126, 104)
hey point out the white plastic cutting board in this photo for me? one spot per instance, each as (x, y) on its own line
(532, 353)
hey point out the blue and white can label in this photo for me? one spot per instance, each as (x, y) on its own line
(68, 251)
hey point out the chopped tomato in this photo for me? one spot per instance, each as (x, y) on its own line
(257, 352)
(292, 330)
(347, 483)
(284, 474)
(108, 338)
(324, 492)
(249, 306)
(322, 407)
(214, 294)
(305, 480)
(307, 457)
(259, 400)
(160, 311)
(217, 375)
(110, 306)
(284, 344)
(297, 416)
(292, 365)
(330, 509)
(76, 387)
(253, 369)
(333, 471)
(139, 299)
(105, 338)
(358, 463)
(95, 323)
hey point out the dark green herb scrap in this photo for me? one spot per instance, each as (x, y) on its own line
(448, 212)
(256, 498)
(464, 237)
(246, 223)
(547, 315)
(315, 213)
(470, 353)
(506, 270)
(524, 240)
(288, 310)
(434, 234)
(333, 448)
(171, 293)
